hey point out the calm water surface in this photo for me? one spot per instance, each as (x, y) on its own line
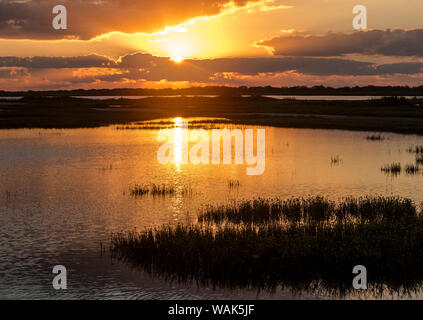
(62, 192)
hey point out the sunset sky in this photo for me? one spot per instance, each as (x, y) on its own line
(170, 43)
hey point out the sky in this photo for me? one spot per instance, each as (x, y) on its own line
(174, 43)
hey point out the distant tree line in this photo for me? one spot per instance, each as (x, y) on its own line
(232, 91)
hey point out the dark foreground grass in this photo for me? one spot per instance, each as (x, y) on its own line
(301, 256)
(312, 210)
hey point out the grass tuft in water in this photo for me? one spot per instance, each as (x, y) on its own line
(156, 190)
(139, 190)
(301, 256)
(415, 149)
(311, 210)
(412, 169)
(335, 160)
(162, 190)
(233, 184)
(392, 169)
(375, 138)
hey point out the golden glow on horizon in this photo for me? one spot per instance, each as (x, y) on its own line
(177, 59)
(177, 121)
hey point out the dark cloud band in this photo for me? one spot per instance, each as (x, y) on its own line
(152, 68)
(376, 42)
(32, 19)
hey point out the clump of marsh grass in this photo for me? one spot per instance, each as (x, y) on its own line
(187, 191)
(160, 190)
(233, 184)
(334, 160)
(375, 138)
(419, 158)
(415, 149)
(393, 169)
(412, 169)
(297, 256)
(311, 210)
(139, 190)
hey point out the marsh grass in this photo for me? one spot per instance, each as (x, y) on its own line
(311, 210)
(334, 160)
(158, 125)
(415, 149)
(308, 256)
(393, 169)
(159, 190)
(375, 138)
(139, 190)
(419, 159)
(233, 184)
(162, 190)
(412, 169)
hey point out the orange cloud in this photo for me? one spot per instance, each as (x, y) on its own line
(91, 18)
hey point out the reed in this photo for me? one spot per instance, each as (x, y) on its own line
(139, 190)
(232, 184)
(335, 160)
(162, 190)
(392, 169)
(375, 138)
(156, 190)
(315, 209)
(415, 149)
(412, 169)
(299, 256)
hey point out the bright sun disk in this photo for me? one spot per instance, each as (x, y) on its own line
(177, 59)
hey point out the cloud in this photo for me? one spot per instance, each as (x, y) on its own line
(141, 68)
(400, 43)
(32, 19)
(57, 62)
(155, 68)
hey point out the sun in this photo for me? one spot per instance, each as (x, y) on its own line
(179, 49)
(177, 59)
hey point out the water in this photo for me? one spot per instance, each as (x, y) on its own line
(62, 192)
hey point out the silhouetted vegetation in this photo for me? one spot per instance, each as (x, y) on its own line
(375, 138)
(159, 190)
(232, 184)
(379, 115)
(392, 169)
(391, 91)
(386, 237)
(311, 210)
(335, 160)
(415, 149)
(412, 169)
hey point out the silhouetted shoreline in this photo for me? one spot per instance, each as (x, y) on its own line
(389, 114)
(231, 91)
